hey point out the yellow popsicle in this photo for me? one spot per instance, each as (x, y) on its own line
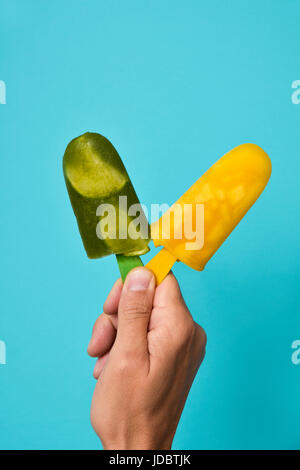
(194, 228)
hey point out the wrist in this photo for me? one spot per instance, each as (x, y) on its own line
(140, 442)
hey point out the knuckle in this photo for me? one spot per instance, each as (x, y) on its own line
(185, 332)
(188, 328)
(137, 309)
(97, 323)
(201, 336)
(124, 365)
(200, 342)
(130, 363)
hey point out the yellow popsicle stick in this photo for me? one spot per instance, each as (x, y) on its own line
(161, 264)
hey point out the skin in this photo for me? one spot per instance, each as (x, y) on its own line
(149, 350)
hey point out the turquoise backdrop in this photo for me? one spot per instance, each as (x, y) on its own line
(174, 85)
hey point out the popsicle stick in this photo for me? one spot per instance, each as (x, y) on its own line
(127, 263)
(161, 264)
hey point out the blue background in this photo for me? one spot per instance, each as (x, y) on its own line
(174, 85)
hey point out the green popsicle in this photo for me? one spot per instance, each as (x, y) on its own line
(95, 178)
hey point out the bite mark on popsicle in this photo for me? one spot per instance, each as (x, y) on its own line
(96, 178)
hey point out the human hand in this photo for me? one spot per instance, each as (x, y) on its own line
(149, 350)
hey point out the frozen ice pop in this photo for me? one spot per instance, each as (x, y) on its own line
(225, 192)
(95, 176)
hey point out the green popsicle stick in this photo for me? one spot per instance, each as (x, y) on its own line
(127, 263)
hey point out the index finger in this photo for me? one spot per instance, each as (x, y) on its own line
(168, 292)
(111, 304)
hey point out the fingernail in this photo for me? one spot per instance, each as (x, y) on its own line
(139, 279)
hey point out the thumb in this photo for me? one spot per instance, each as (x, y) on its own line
(134, 311)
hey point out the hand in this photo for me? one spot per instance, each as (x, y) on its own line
(149, 351)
